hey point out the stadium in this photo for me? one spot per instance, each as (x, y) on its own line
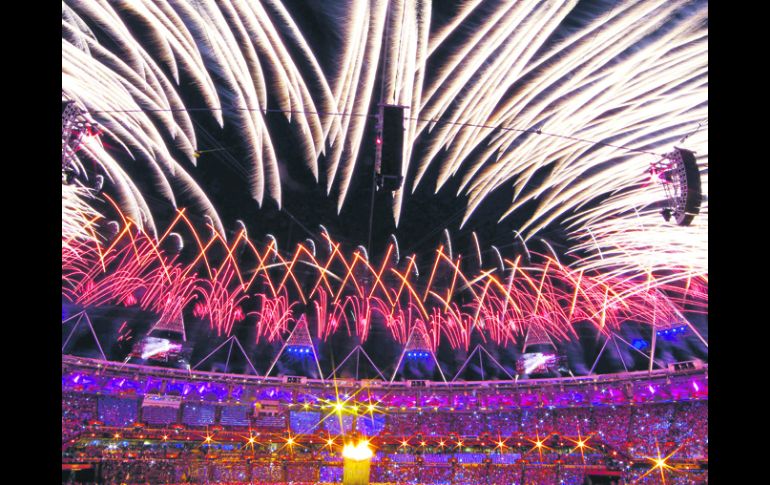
(384, 242)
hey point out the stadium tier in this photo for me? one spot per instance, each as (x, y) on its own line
(138, 424)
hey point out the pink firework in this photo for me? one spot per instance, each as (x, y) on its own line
(221, 300)
(273, 317)
(500, 304)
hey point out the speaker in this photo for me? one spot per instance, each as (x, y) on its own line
(693, 195)
(392, 146)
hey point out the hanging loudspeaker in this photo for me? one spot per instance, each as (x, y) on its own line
(392, 145)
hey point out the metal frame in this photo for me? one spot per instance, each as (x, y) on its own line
(541, 338)
(232, 340)
(68, 143)
(614, 336)
(73, 116)
(77, 324)
(653, 327)
(639, 376)
(481, 349)
(302, 324)
(357, 350)
(168, 327)
(407, 348)
(599, 356)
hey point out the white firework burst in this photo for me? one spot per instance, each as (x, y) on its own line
(498, 94)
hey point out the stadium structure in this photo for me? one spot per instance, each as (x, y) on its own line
(174, 426)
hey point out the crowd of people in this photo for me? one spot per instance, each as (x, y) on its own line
(370, 425)
(689, 429)
(503, 424)
(160, 415)
(171, 472)
(641, 475)
(331, 474)
(540, 474)
(614, 423)
(301, 472)
(623, 432)
(466, 424)
(235, 416)
(196, 414)
(76, 410)
(115, 471)
(116, 411)
(640, 430)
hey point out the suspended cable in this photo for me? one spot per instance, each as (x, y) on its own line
(537, 131)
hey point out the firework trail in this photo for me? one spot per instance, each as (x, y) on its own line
(274, 317)
(219, 304)
(452, 306)
(499, 94)
(77, 216)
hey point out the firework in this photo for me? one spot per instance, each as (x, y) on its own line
(516, 94)
(221, 301)
(498, 305)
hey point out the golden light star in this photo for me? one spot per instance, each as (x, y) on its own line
(251, 440)
(660, 463)
(539, 445)
(580, 444)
